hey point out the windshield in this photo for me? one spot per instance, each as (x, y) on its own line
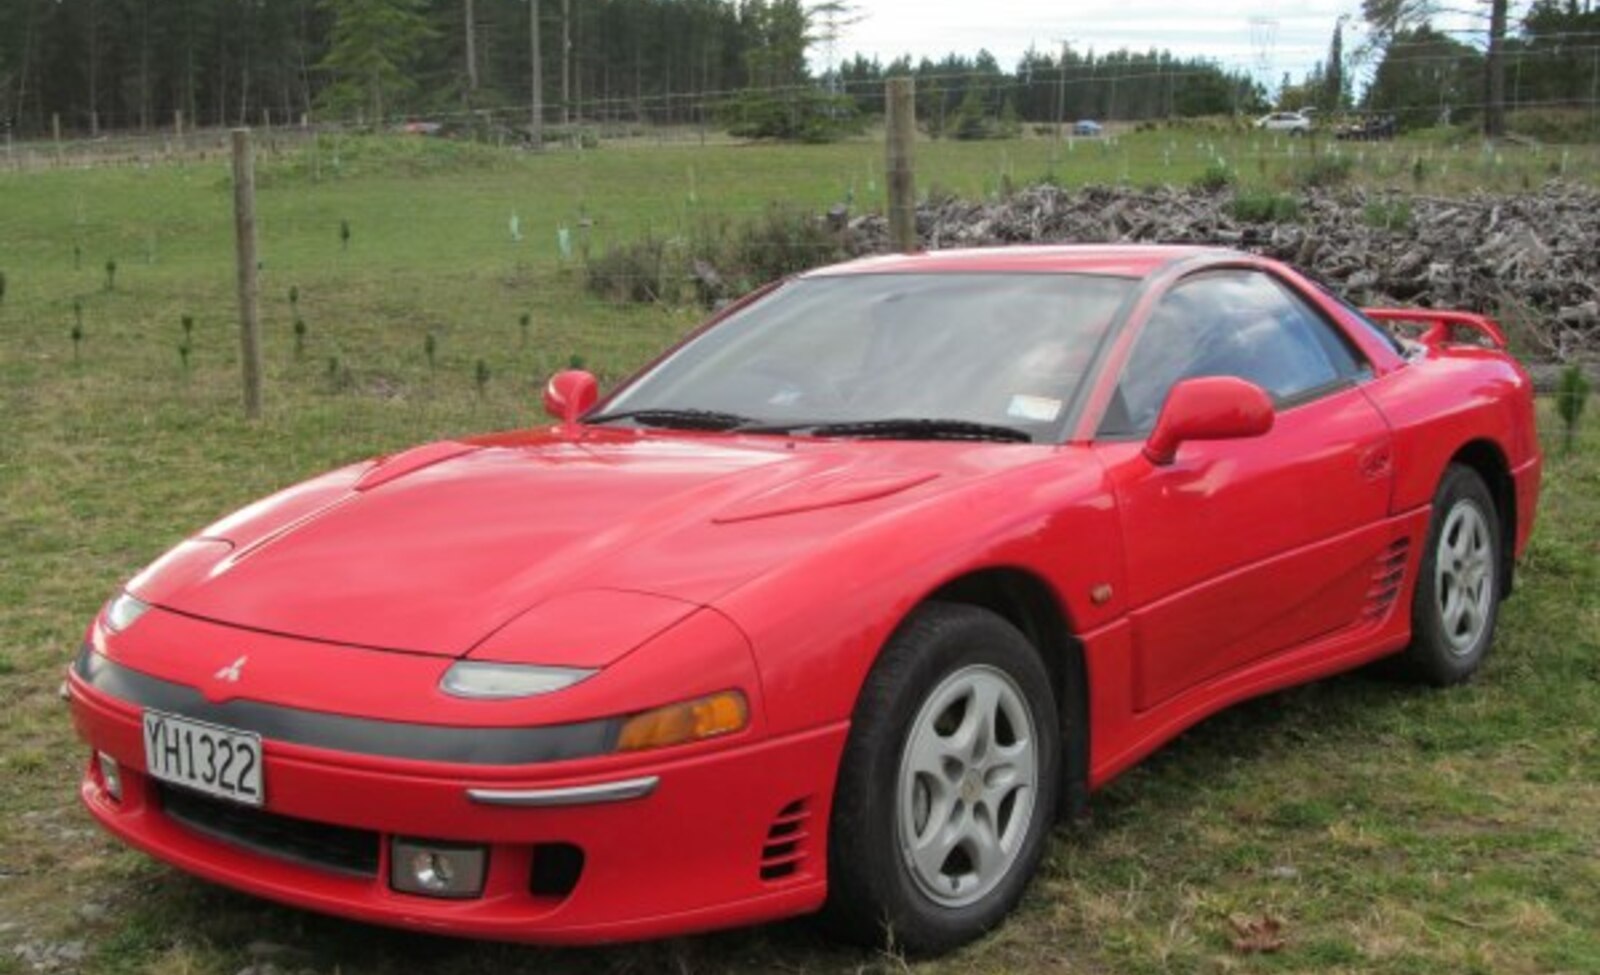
(1007, 350)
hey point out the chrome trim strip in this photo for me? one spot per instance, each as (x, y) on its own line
(577, 795)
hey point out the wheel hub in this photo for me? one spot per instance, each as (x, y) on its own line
(971, 786)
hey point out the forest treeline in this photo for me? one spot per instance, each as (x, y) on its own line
(136, 64)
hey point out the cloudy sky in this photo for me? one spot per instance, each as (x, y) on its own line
(1279, 36)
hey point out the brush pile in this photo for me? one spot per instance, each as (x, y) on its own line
(1532, 259)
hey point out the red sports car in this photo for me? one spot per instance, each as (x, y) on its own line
(836, 606)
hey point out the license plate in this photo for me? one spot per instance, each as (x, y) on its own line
(217, 761)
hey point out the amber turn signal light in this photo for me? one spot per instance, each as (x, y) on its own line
(675, 724)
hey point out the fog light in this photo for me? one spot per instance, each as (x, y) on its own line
(110, 775)
(437, 869)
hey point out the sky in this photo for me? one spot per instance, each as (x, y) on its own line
(1266, 37)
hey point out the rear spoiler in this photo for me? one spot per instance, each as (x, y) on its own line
(1436, 329)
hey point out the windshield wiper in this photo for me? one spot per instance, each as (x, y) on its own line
(683, 419)
(912, 428)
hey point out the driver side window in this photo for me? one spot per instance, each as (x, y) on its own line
(1228, 323)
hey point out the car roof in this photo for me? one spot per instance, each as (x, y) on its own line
(1122, 260)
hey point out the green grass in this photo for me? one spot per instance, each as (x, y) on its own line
(1389, 829)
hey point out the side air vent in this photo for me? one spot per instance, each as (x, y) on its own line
(788, 842)
(1388, 577)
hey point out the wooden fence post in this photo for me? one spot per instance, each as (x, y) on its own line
(55, 131)
(901, 133)
(244, 229)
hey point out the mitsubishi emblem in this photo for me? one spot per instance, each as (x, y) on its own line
(230, 673)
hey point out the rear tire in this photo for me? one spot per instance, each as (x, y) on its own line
(1457, 596)
(948, 785)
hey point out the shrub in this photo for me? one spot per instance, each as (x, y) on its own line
(779, 242)
(973, 122)
(808, 115)
(1326, 170)
(1263, 207)
(1216, 178)
(633, 271)
(1388, 214)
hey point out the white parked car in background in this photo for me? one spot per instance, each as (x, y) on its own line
(1293, 123)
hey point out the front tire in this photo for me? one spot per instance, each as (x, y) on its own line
(948, 785)
(1457, 597)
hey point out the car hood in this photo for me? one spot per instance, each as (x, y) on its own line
(617, 534)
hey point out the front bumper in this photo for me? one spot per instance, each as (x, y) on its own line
(693, 851)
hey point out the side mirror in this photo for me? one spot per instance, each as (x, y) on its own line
(1211, 408)
(569, 394)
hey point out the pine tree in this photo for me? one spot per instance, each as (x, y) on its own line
(1333, 78)
(374, 44)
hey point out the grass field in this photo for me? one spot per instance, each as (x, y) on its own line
(1387, 829)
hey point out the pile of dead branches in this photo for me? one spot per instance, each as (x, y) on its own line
(1532, 259)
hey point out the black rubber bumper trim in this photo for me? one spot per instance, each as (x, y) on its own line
(361, 736)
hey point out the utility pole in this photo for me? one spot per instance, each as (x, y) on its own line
(472, 47)
(901, 133)
(566, 62)
(1494, 116)
(1594, 87)
(1061, 92)
(536, 121)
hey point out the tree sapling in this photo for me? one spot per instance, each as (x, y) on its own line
(481, 376)
(111, 274)
(1572, 395)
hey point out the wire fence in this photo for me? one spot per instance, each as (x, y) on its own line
(700, 117)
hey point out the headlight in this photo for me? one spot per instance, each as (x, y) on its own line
(676, 724)
(124, 611)
(492, 681)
